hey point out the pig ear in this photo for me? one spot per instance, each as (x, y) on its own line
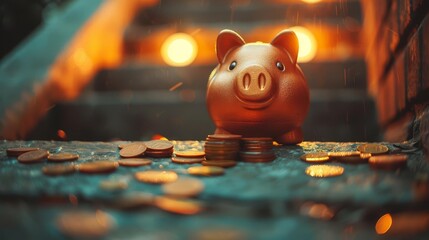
(227, 40)
(287, 41)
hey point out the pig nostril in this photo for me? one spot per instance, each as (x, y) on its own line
(246, 81)
(262, 81)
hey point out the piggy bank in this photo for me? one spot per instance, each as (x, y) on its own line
(257, 89)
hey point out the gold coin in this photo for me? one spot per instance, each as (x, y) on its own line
(54, 170)
(15, 152)
(113, 185)
(33, 156)
(190, 154)
(134, 162)
(206, 171)
(322, 171)
(134, 200)
(133, 150)
(220, 163)
(82, 224)
(103, 166)
(343, 154)
(183, 187)
(315, 157)
(159, 145)
(372, 148)
(178, 206)
(388, 161)
(224, 136)
(156, 176)
(62, 157)
(183, 160)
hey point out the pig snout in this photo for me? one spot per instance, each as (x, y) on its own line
(254, 83)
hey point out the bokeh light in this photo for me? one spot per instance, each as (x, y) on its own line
(383, 224)
(307, 43)
(311, 1)
(179, 50)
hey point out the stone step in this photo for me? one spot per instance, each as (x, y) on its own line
(320, 75)
(335, 115)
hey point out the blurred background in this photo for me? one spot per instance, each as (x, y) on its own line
(106, 70)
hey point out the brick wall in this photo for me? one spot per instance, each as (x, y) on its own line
(396, 36)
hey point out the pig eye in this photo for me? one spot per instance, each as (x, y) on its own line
(280, 66)
(232, 65)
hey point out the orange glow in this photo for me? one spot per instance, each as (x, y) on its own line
(383, 224)
(311, 1)
(159, 137)
(61, 134)
(179, 50)
(307, 43)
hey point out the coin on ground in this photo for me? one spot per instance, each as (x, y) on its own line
(55, 170)
(206, 171)
(113, 185)
(133, 150)
(159, 145)
(372, 148)
(134, 200)
(183, 187)
(388, 161)
(156, 176)
(190, 154)
(122, 145)
(15, 152)
(322, 171)
(315, 157)
(62, 157)
(134, 162)
(103, 166)
(33, 156)
(82, 224)
(178, 206)
(183, 160)
(225, 136)
(220, 163)
(343, 154)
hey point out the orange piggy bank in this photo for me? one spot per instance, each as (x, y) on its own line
(258, 90)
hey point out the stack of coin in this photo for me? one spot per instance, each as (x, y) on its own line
(159, 148)
(188, 157)
(222, 147)
(257, 149)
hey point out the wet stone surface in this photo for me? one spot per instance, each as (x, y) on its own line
(258, 200)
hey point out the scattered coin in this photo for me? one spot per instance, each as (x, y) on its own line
(133, 150)
(113, 185)
(219, 233)
(159, 145)
(343, 154)
(178, 206)
(55, 170)
(315, 157)
(62, 157)
(134, 162)
(183, 187)
(206, 171)
(33, 156)
(189, 154)
(183, 160)
(15, 152)
(122, 145)
(156, 176)
(390, 161)
(403, 223)
(220, 163)
(323, 171)
(361, 158)
(134, 200)
(317, 211)
(372, 148)
(82, 224)
(103, 166)
(159, 154)
(225, 136)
